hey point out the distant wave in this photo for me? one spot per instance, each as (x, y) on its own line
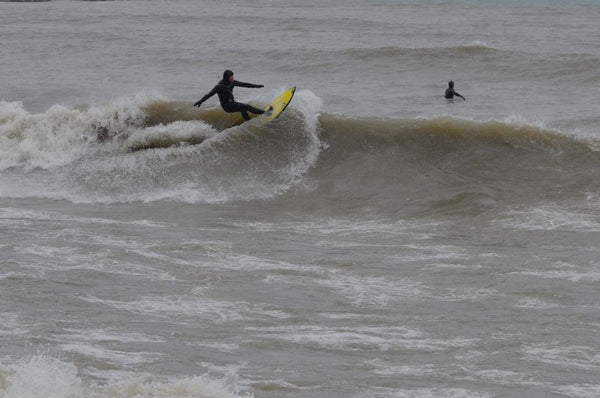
(475, 47)
(578, 68)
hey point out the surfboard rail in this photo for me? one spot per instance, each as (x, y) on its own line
(278, 105)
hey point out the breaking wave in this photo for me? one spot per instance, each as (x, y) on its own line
(147, 149)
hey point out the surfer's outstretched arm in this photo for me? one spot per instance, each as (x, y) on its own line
(247, 85)
(207, 96)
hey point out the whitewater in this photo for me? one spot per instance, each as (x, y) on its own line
(376, 240)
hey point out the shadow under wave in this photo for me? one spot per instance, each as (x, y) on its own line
(164, 125)
(165, 112)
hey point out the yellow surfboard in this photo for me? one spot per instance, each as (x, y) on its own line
(274, 109)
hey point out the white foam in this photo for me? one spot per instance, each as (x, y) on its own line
(109, 356)
(479, 44)
(307, 103)
(40, 377)
(462, 293)
(64, 259)
(172, 307)
(534, 303)
(223, 347)
(245, 262)
(109, 336)
(45, 377)
(13, 213)
(384, 392)
(508, 377)
(60, 135)
(342, 228)
(550, 219)
(367, 338)
(579, 390)
(378, 291)
(382, 368)
(179, 131)
(9, 324)
(570, 272)
(567, 356)
(38, 140)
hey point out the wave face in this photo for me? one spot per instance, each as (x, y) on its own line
(147, 150)
(449, 164)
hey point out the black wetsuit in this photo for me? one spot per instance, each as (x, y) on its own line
(450, 93)
(224, 89)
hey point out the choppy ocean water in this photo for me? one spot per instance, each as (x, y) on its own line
(376, 240)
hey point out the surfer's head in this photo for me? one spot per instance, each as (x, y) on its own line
(228, 75)
(451, 84)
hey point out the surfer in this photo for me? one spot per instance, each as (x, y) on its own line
(224, 89)
(450, 93)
